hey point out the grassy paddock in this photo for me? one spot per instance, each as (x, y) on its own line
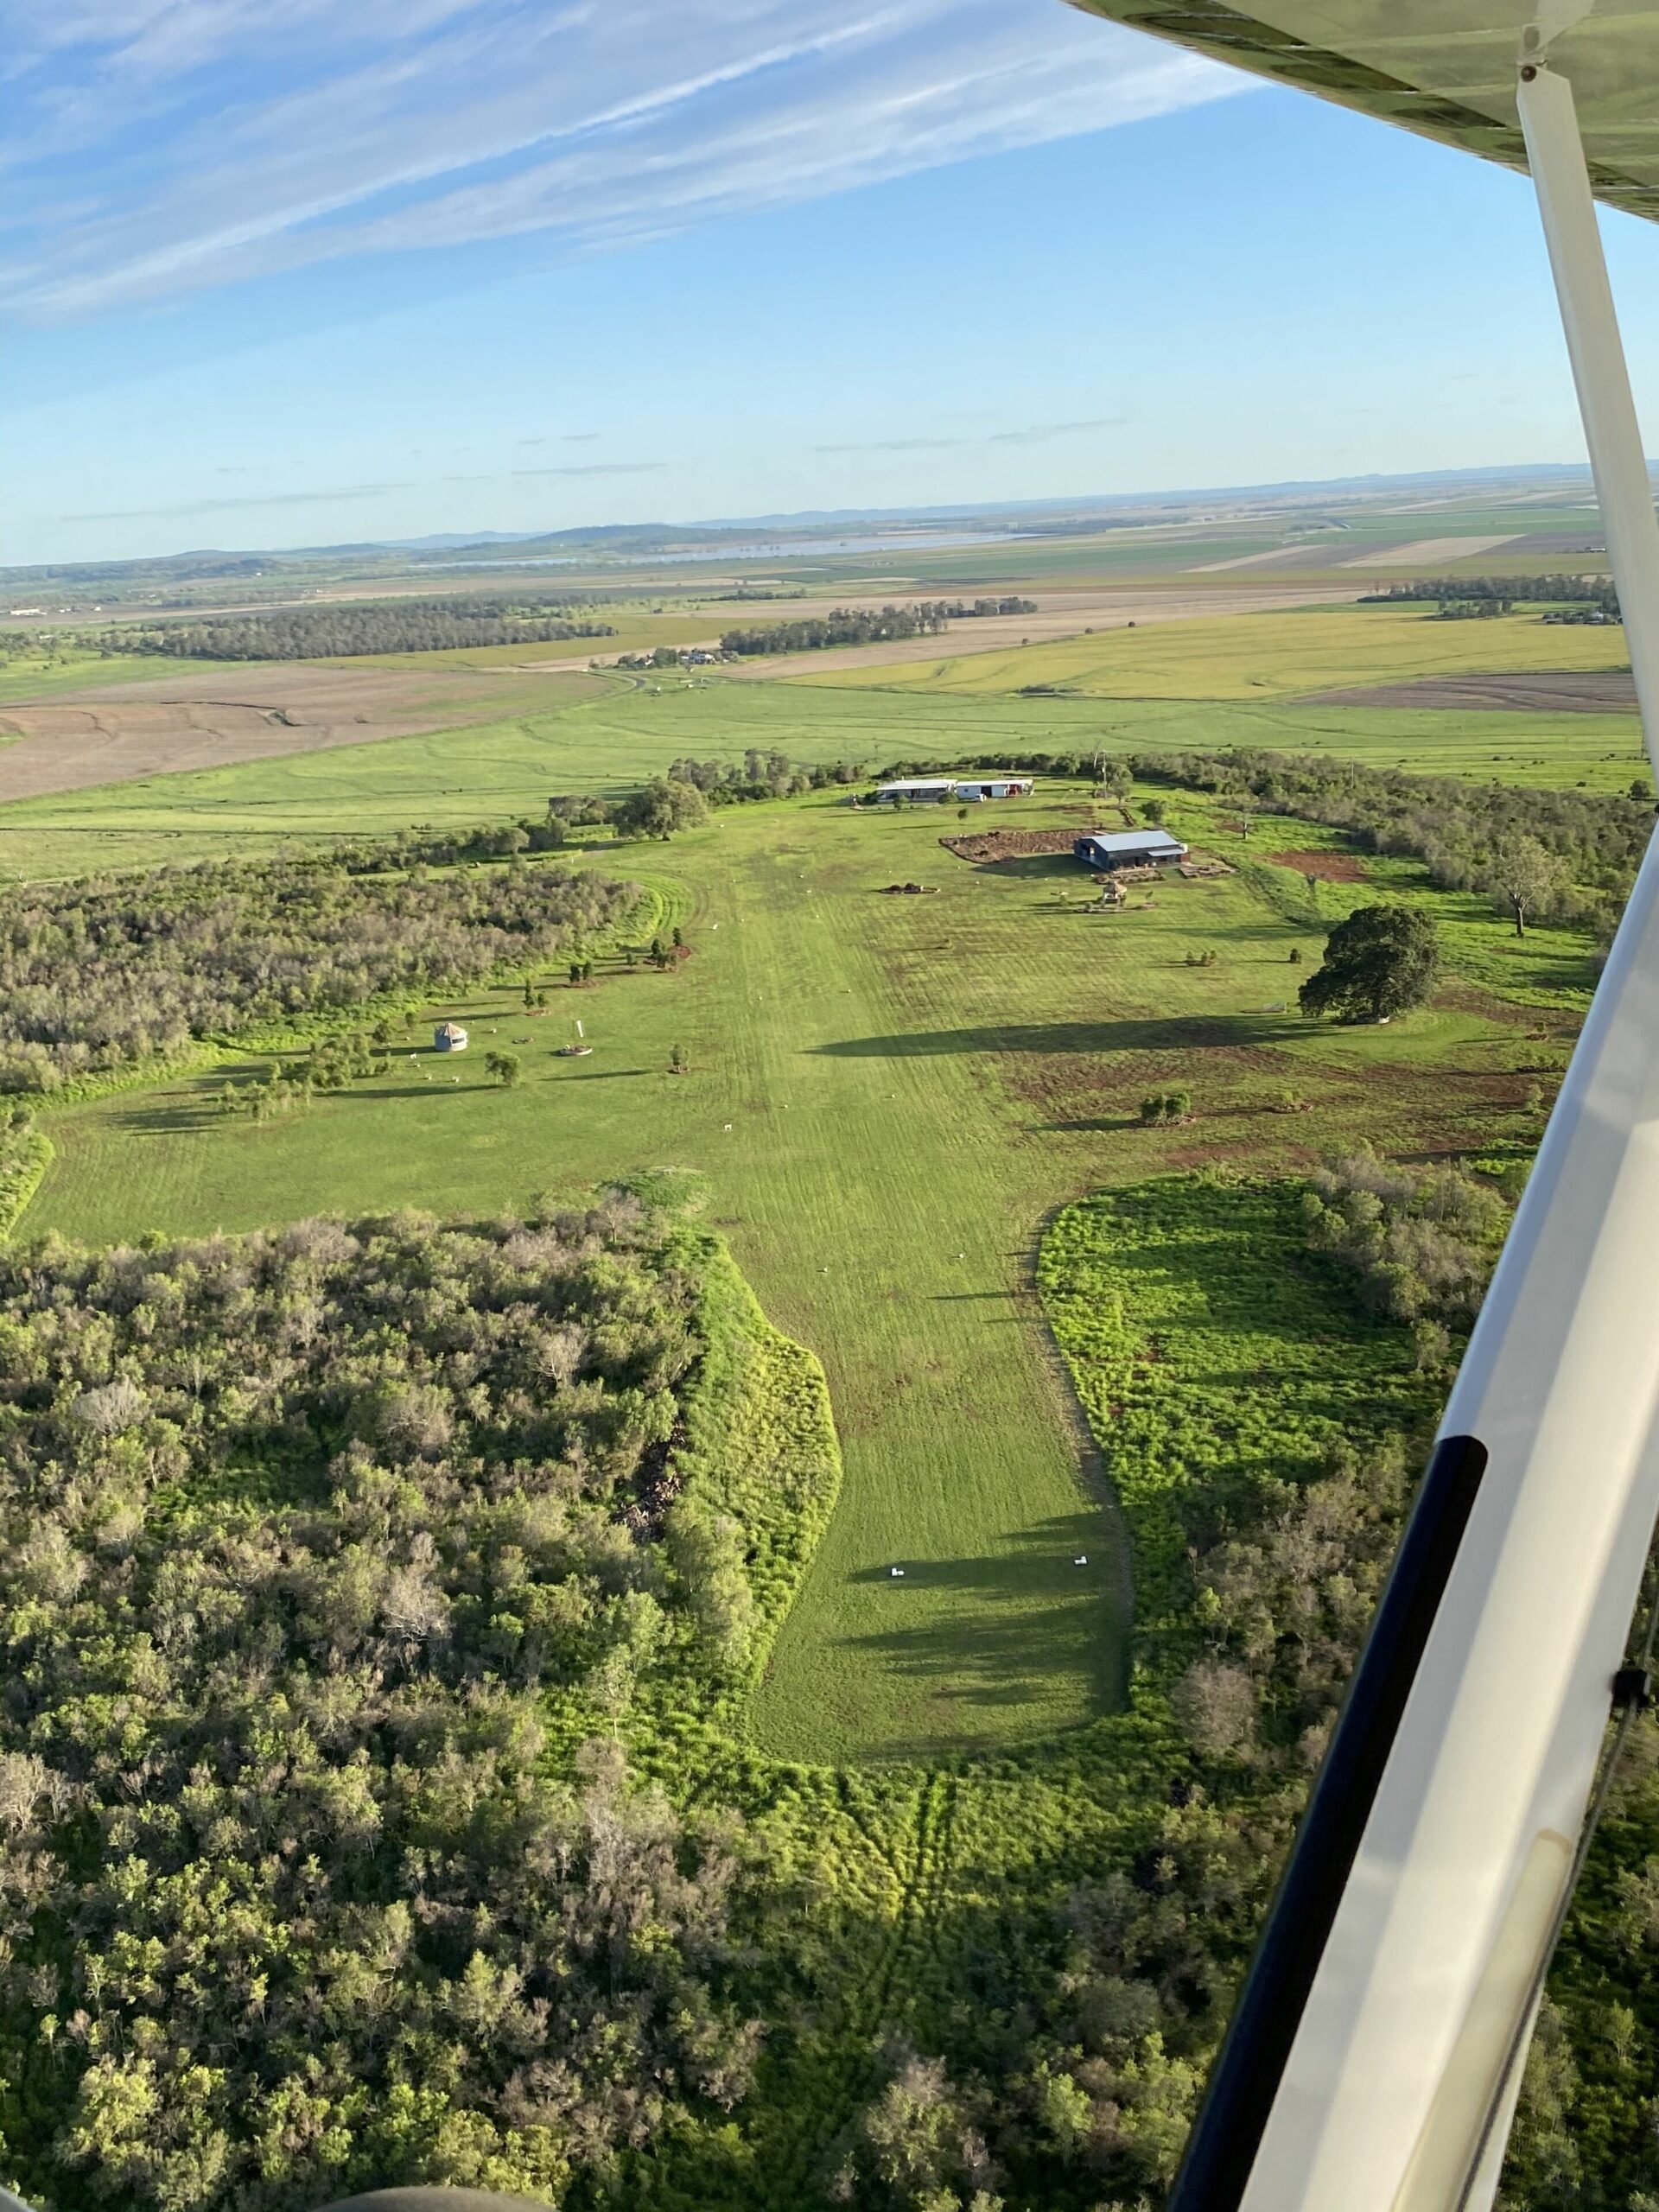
(1212, 1350)
(1253, 655)
(614, 741)
(886, 1096)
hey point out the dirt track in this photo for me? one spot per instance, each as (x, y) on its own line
(1594, 691)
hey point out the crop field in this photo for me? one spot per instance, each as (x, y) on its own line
(1262, 655)
(610, 738)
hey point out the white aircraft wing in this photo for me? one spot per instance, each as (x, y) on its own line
(1374, 2058)
(1446, 68)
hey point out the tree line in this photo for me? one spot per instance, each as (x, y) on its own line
(1599, 592)
(1570, 856)
(864, 626)
(315, 1541)
(761, 776)
(682, 798)
(110, 972)
(393, 625)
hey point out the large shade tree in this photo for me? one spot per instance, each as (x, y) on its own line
(1380, 961)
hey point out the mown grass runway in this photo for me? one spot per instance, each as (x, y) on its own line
(887, 1096)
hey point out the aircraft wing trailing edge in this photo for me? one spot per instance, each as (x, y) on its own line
(1374, 2058)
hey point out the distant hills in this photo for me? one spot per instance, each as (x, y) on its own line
(789, 531)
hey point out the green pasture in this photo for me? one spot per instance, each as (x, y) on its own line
(577, 732)
(1253, 656)
(888, 1095)
(44, 673)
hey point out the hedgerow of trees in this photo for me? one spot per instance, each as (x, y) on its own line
(110, 972)
(683, 797)
(393, 625)
(762, 776)
(1598, 592)
(864, 626)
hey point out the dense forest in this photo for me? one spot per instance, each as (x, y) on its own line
(108, 971)
(314, 1544)
(865, 626)
(390, 626)
(374, 1600)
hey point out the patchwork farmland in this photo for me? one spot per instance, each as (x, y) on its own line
(1071, 1350)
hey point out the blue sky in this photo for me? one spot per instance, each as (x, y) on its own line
(299, 271)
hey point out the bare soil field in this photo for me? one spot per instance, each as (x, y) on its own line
(1335, 552)
(1591, 691)
(1330, 867)
(1059, 614)
(1009, 845)
(111, 733)
(1428, 550)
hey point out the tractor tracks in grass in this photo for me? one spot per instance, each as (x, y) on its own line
(921, 1864)
(896, 1863)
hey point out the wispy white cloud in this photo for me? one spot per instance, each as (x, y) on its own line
(1038, 433)
(601, 468)
(1034, 433)
(327, 493)
(164, 145)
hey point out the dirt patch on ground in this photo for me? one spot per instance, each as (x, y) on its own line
(115, 733)
(1330, 867)
(1590, 691)
(1009, 845)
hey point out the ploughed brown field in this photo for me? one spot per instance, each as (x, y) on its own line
(1592, 691)
(1330, 867)
(110, 734)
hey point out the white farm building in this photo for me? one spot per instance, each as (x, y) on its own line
(920, 790)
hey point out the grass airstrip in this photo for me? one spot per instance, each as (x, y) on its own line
(887, 1096)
